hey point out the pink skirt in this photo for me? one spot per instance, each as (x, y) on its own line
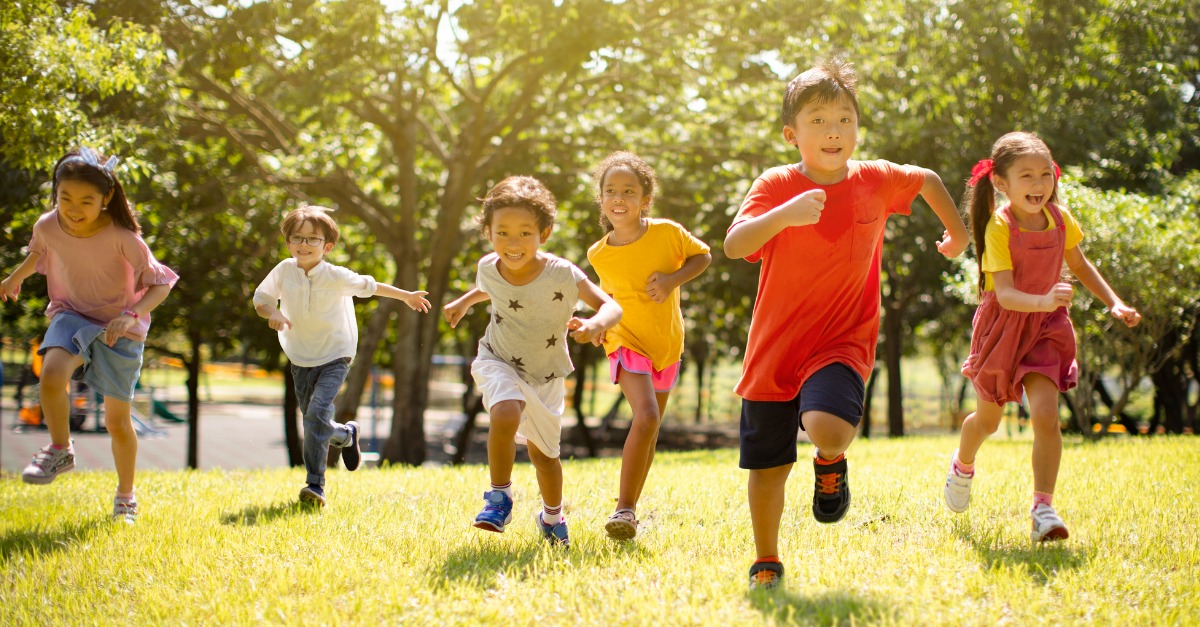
(1007, 345)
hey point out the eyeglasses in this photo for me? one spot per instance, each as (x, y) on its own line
(311, 241)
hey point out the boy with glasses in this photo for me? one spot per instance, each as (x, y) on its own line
(308, 301)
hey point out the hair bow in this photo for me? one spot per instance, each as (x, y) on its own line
(91, 157)
(981, 169)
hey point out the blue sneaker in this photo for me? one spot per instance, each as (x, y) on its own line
(313, 494)
(554, 534)
(497, 511)
(351, 454)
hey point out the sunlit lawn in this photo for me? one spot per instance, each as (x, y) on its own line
(395, 546)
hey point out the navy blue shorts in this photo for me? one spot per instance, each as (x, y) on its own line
(769, 428)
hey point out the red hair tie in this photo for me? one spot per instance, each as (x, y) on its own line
(1057, 171)
(981, 169)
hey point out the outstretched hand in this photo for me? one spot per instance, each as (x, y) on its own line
(416, 301)
(585, 330)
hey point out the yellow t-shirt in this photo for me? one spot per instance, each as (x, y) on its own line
(997, 257)
(652, 329)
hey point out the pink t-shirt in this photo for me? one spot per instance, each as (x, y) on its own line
(97, 277)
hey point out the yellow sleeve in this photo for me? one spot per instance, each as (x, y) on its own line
(996, 256)
(1074, 232)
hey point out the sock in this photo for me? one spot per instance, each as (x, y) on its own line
(506, 489)
(57, 447)
(773, 559)
(1040, 498)
(551, 515)
(967, 470)
(821, 461)
(126, 496)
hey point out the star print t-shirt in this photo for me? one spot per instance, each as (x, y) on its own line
(528, 326)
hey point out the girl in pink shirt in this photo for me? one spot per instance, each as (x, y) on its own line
(103, 282)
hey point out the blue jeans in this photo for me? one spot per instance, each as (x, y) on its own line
(316, 388)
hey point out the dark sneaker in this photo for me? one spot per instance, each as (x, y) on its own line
(48, 463)
(831, 494)
(554, 534)
(497, 511)
(313, 493)
(351, 454)
(766, 575)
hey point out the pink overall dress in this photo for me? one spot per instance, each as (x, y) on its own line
(1007, 345)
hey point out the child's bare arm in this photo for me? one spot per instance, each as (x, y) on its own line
(11, 287)
(659, 286)
(154, 296)
(415, 300)
(955, 238)
(749, 235)
(456, 309)
(1090, 277)
(608, 314)
(1014, 299)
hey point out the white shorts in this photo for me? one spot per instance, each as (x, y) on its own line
(543, 405)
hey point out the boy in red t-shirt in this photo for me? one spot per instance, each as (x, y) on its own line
(817, 226)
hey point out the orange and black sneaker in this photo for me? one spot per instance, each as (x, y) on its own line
(766, 575)
(831, 495)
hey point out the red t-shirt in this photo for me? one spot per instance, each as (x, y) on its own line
(818, 290)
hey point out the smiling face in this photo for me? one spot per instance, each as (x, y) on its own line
(622, 199)
(308, 253)
(826, 133)
(81, 207)
(1028, 183)
(515, 237)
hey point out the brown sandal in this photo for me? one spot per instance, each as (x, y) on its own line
(622, 525)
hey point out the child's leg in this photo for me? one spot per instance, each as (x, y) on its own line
(320, 386)
(766, 490)
(549, 476)
(1047, 432)
(638, 453)
(57, 367)
(501, 446)
(829, 433)
(124, 441)
(976, 428)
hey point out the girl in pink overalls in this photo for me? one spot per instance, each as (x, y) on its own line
(1023, 341)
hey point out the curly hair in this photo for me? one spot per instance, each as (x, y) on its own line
(633, 163)
(523, 192)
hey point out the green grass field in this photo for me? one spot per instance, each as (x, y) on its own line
(395, 546)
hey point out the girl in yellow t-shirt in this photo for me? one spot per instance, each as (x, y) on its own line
(641, 262)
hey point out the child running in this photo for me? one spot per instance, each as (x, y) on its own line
(641, 262)
(308, 301)
(103, 282)
(1022, 340)
(523, 362)
(817, 227)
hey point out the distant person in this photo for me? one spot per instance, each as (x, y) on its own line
(308, 301)
(817, 226)
(1022, 339)
(641, 262)
(103, 282)
(522, 362)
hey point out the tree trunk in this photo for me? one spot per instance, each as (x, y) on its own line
(865, 426)
(193, 388)
(291, 419)
(345, 406)
(893, 348)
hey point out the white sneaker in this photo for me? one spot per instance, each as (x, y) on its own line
(49, 463)
(1047, 525)
(125, 509)
(958, 489)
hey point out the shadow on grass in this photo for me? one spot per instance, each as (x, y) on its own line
(488, 559)
(35, 541)
(783, 607)
(1041, 562)
(258, 514)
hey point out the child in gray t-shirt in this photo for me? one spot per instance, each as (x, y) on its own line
(523, 359)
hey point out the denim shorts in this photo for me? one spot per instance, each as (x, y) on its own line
(112, 371)
(769, 428)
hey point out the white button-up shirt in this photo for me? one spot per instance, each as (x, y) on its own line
(320, 308)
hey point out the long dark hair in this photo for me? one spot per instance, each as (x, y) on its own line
(74, 167)
(980, 199)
